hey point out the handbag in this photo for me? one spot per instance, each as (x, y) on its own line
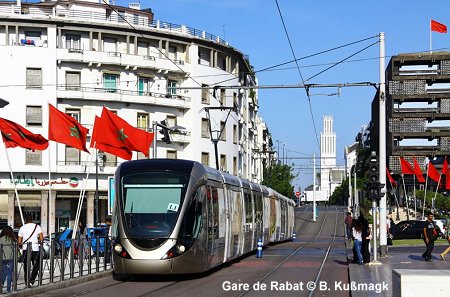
(389, 241)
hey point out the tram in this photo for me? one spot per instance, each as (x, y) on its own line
(180, 217)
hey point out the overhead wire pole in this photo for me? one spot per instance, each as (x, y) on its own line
(382, 149)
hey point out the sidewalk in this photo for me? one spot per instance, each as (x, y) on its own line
(400, 257)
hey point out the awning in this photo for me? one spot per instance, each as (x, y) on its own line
(147, 75)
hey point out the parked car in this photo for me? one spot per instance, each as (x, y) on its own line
(410, 229)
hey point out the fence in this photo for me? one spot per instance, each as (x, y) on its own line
(56, 261)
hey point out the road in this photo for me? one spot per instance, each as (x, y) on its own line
(317, 257)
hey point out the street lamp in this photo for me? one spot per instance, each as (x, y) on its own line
(102, 164)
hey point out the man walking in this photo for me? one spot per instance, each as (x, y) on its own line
(348, 225)
(428, 236)
(30, 234)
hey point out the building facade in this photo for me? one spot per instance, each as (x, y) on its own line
(82, 55)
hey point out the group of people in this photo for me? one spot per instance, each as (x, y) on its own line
(358, 230)
(29, 233)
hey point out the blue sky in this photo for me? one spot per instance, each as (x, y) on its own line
(255, 28)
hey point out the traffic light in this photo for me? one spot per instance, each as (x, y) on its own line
(165, 132)
(373, 183)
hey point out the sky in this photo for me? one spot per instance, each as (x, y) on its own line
(255, 28)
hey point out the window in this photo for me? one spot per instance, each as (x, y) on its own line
(171, 154)
(235, 103)
(205, 94)
(73, 42)
(74, 113)
(235, 171)
(109, 44)
(33, 157)
(205, 159)
(72, 156)
(110, 82)
(223, 131)
(223, 101)
(143, 48)
(33, 37)
(142, 121)
(143, 86)
(223, 162)
(205, 128)
(171, 121)
(121, 16)
(235, 136)
(34, 78)
(172, 53)
(110, 160)
(34, 116)
(73, 81)
(171, 87)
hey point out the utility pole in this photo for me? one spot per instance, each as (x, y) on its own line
(382, 149)
(314, 187)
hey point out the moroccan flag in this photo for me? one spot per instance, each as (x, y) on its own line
(391, 180)
(15, 135)
(65, 129)
(115, 148)
(433, 173)
(418, 172)
(118, 133)
(438, 27)
(406, 167)
(446, 173)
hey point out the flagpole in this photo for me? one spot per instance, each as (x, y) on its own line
(49, 194)
(14, 183)
(415, 200)
(430, 38)
(425, 194)
(82, 192)
(406, 197)
(395, 197)
(435, 193)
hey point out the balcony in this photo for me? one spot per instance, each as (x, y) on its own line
(180, 136)
(126, 96)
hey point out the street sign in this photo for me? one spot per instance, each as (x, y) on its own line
(297, 194)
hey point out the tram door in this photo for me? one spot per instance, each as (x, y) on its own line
(213, 227)
(248, 227)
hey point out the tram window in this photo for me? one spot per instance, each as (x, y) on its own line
(193, 218)
(215, 213)
(248, 208)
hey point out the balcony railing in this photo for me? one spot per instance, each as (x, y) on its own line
(103, 17)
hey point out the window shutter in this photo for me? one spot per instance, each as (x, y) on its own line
(34, 78)
(72, 156)
(34, 115)
(33, 158)
(73, 81)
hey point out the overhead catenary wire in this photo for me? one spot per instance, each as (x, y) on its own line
(300, 73)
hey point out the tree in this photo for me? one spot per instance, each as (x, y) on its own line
(340, 194)
(279, 177)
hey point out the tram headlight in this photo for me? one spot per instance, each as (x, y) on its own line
(180, 248)
(118, 248)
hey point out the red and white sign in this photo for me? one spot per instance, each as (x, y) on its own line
(297, 194)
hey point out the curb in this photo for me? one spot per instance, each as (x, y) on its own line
(60, 285)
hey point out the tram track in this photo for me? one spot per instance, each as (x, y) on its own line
(273, 270)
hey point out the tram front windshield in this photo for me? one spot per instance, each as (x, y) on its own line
(151, 203)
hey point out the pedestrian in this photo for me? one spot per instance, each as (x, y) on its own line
(389, 235)
(7, 241)
(447, 235)
(429, 233)
(365, 238)
(348, 225)
(30, 234)
(357, 240)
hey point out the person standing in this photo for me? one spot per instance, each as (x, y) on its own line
(447, 235)
(357, 240)
(348, 225)
(7, 240)
(30, 234)
(428, 237)
(365, 238)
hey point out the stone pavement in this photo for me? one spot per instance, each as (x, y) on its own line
(399, 257)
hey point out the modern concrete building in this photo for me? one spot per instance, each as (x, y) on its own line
(82, 55)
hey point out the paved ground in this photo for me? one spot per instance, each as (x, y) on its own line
(399, 257)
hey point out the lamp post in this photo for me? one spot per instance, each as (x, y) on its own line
(102, 158)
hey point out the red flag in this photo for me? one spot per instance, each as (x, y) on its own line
(65, 129)
(112, 148)
(118, 133)
(418, 172)
(433, 173)
(406, 167)
(391, 180)
(15, 135)
(438, 27)
(446, 173)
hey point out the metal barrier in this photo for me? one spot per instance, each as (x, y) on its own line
(56, 261)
